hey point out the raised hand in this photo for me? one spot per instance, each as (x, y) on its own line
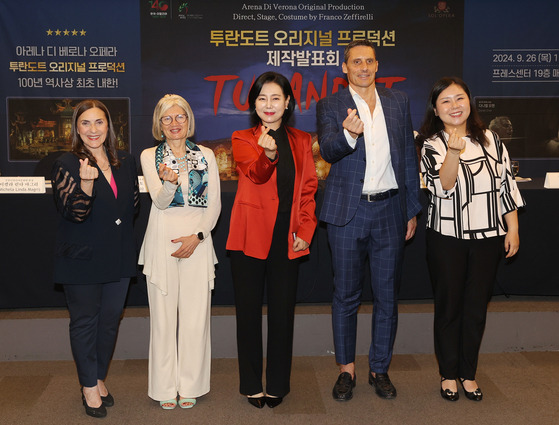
(353, 123)
(268, 143)
(456, 143)
(87, 172)
(167, 174)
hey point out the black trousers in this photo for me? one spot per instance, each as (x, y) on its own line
(463, 275)
(251, 276)
(95, 311)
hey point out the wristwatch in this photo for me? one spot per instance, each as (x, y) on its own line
(200, 236)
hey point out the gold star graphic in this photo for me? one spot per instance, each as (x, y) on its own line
(74, 32)
(82, 32)
(66, 32)
(49, 32)
(57, 32)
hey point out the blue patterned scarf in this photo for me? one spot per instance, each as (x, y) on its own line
(197, 167)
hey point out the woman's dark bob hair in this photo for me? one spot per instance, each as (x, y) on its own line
(280, 80)
(79, 148)
(433, 125)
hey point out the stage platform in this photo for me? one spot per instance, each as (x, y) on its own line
(514, 324)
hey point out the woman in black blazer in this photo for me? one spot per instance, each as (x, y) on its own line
(96, 192)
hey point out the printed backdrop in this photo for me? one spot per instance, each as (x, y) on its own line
(130, 53)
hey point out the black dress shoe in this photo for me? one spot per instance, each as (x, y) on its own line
(343, 388)
(257, 402)
(475, 395)
(96, 412)
(382, 385)
(448, 394)
(108, 400)
(273, 401)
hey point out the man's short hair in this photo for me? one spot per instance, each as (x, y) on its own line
(355, 43)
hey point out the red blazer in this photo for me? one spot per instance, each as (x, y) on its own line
(256, 204)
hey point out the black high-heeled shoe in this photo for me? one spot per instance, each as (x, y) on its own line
(448, 394)
(475, 395)
(273, 401)
(108, 400)
(96, 412)
(257, 402)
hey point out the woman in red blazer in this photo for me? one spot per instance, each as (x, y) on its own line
(272, 224)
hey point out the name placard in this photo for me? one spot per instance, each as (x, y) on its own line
(22, 185)
(142, 184)
(551, 181)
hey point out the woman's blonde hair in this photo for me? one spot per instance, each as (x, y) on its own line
(166, 103)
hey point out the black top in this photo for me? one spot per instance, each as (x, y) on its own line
(95, 241)
(285, 170)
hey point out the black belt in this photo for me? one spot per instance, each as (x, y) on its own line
(373, 197)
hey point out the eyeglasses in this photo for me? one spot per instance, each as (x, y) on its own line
(167, 120)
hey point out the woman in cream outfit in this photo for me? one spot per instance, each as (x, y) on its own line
(178, 255)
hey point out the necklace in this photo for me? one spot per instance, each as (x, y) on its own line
(105, 169)
(108, 164)
(181, 161)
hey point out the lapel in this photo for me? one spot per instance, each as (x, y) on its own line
(104, 188)
(388, 107)
(102, 184)
(347, 100)
(298, 154)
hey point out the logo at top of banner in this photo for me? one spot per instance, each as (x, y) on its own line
(158, 8)
(185, 11)
(169, 9)
(441, 10)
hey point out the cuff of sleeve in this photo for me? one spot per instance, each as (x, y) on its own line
(271, 161)
(350, 140)
(85, 195)
(448, 193)
(170, 187)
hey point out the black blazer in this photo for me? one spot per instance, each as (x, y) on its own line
(95, 240)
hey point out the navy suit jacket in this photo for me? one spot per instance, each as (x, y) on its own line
(344, 185)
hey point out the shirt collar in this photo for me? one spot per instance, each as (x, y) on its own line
(354, 93)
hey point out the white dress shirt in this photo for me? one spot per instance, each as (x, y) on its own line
(379, 174)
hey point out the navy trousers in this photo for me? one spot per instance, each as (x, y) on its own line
(95, 311)
(377, 231)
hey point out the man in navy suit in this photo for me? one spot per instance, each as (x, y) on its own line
(370, 206)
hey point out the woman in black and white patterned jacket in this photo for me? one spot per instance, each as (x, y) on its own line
(472, 216)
